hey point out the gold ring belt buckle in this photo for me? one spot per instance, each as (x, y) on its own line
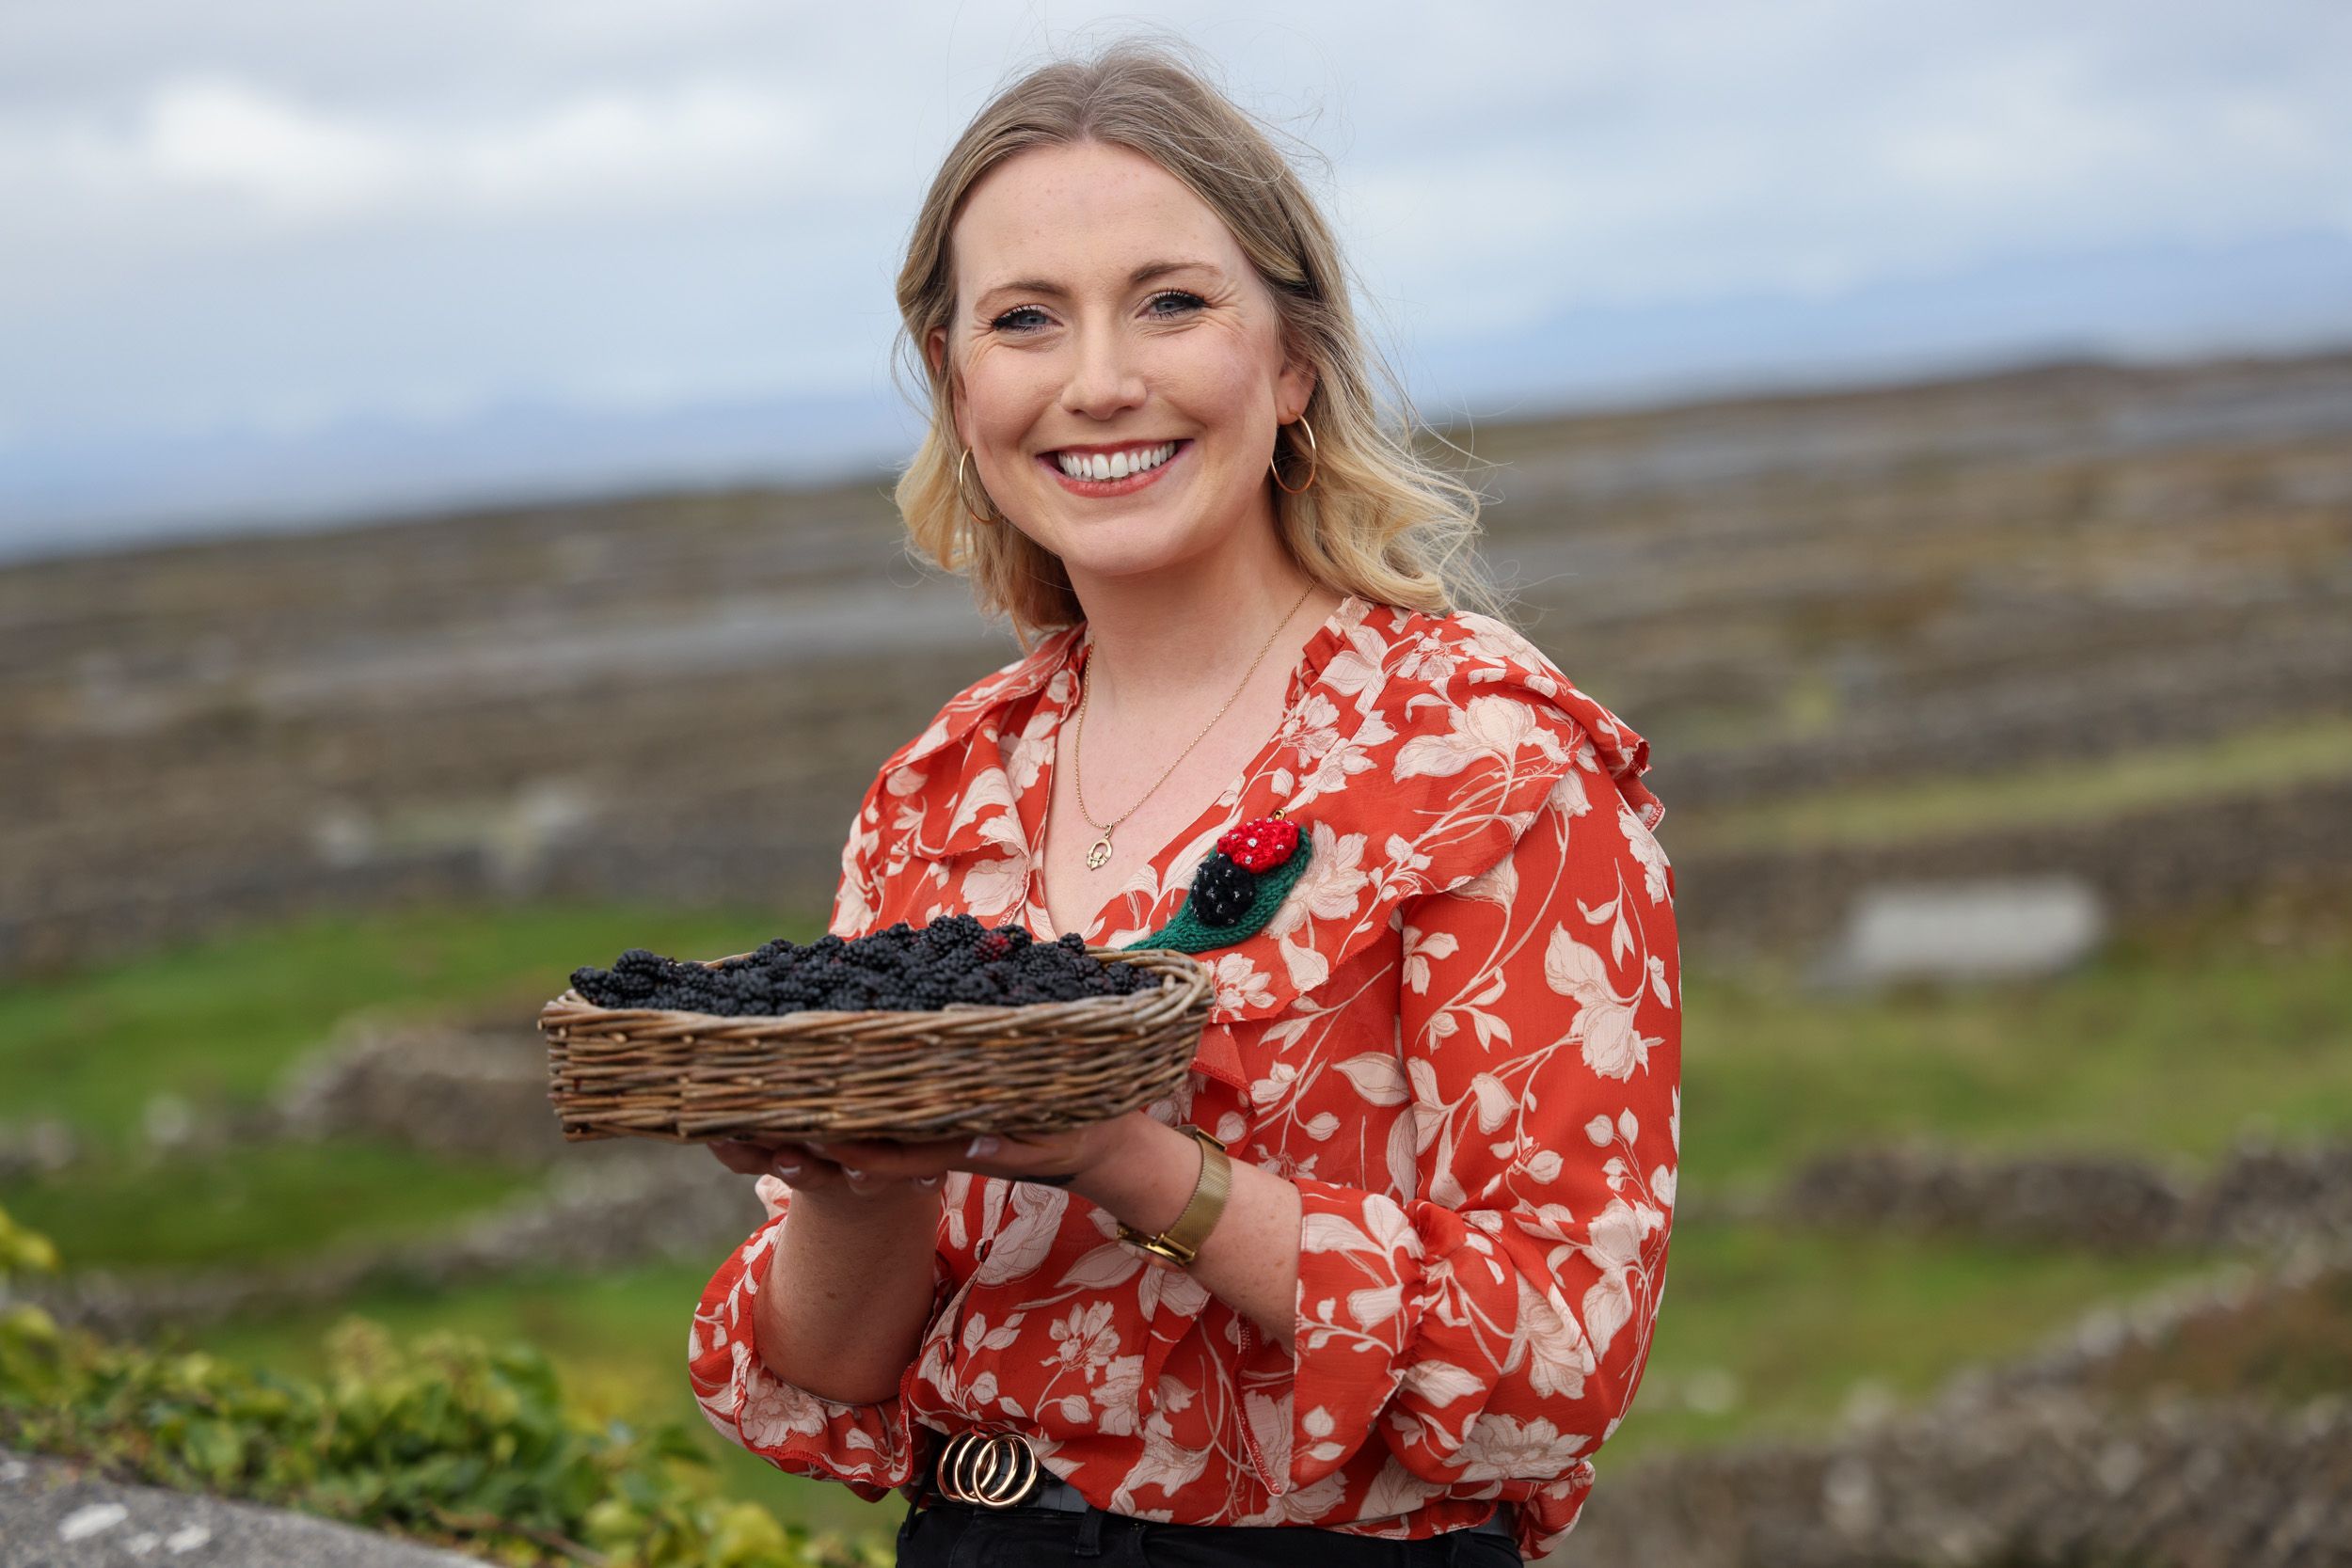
(989, 1469)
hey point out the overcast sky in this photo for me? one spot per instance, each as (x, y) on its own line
(235, 233)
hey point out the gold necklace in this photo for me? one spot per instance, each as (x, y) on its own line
(1100, 855)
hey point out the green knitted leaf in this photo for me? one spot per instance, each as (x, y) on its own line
(1185, 934)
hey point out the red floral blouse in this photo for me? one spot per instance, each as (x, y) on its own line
(1460, 1036)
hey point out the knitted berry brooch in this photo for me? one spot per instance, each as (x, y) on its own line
(1238, 888)
(1261, 845)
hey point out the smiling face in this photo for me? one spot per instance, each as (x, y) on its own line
(1118, 363)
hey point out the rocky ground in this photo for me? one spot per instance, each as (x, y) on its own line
(2049, 1461)
(56, 1515)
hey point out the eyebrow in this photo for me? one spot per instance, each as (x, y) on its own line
(1143, 273)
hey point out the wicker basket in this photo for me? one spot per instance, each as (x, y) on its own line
(687, 1077)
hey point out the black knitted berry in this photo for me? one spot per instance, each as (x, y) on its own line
(1222, 891)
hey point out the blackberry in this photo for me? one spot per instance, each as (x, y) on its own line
(900, 968)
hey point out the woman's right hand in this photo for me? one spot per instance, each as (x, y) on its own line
(803, 1170)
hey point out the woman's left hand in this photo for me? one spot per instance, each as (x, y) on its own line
(1057, 1159)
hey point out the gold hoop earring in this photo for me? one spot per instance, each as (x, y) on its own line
(1313, 464)
(984, 522)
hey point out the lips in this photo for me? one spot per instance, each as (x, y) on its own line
(1114, 462)
(1134, 480)
(1119, 446)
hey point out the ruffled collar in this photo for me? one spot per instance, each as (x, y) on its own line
(1415, 750)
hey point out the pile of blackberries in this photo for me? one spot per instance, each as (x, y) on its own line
(898, 970)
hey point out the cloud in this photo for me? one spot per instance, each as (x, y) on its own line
(256, 206)
(1703, 153)
(286, 161)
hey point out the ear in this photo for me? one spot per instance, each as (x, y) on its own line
(1294, 390)
(935, 350)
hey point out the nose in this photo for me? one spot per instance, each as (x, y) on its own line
(1103, 378)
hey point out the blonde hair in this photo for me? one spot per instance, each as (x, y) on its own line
(1379, 522)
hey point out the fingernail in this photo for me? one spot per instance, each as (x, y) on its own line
(927, 1180)
(982, 1147)
(785, 1169)
(853, 1173)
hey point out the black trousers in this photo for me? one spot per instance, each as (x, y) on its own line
(952, 1535)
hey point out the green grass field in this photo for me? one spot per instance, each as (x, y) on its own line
(254, 1206)
(2173, 1043)
(223, 1018)
(2146, 1052)
(2265, 757)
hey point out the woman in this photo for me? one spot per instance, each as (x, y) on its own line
(1447, 1071)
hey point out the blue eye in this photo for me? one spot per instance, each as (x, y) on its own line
(1011, 321)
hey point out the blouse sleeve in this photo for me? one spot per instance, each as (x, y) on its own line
(1494, 1326)
(871, 1449)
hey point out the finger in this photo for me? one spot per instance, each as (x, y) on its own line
(792, 1165)
(1008, 1155)
(846, 1164)
(966, 1152)
(868, 1161)
(742, 1159)
(865, 1153)
(860, 1180)
(990, 1155)
(871, 1164)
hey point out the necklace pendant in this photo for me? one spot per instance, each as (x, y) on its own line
(1101, 852)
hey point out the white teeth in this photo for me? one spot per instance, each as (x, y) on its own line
(1119, 465)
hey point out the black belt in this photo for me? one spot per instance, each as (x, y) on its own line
(998, 1470)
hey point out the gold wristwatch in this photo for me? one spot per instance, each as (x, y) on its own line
(1180, 1244)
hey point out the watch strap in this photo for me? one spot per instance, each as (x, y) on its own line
(1181, 1243)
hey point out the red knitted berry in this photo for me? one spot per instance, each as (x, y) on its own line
(1261, 843)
